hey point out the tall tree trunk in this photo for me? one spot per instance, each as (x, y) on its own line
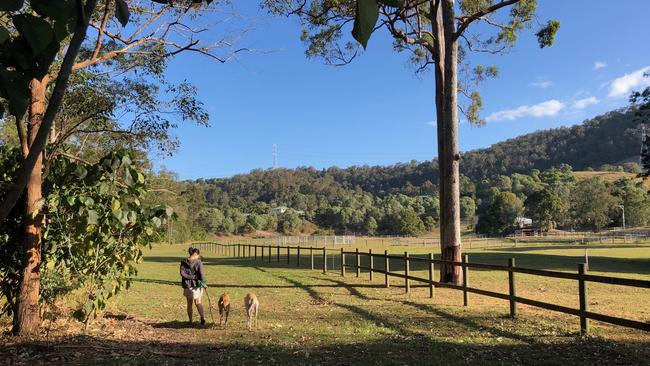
(27, 319)
(448, 154)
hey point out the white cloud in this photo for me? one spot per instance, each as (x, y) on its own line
(433, 123)
(543, 84)
(625, 84)
(599, 65)
(544, 109)
(584, 103)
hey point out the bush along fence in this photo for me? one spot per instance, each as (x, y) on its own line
(280, 254)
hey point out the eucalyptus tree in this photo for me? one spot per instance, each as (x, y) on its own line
(438, 34)
(79, 47)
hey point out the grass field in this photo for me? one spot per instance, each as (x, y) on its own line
(314, 319)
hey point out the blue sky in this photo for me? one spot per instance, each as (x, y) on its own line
(376, 111)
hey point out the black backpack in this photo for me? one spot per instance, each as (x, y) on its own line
(187, 272)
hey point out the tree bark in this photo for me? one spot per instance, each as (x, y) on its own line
(27, 317)
(448, 154)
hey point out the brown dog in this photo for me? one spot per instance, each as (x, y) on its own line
(224, 308)
(252, 306)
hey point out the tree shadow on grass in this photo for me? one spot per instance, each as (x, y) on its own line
(384, 351)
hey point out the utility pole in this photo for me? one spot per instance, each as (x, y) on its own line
(275, 156)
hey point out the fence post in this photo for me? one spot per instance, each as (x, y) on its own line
(277, 254)
(357, 262)
(584, 305)
(288, 255)
(311, 255)
(342, 263)
(298, 256)
(238, 250)
(431, 271)
(255, 251)
(511, 286)
(465, 280)
(262, 253)
(270, 255)
(324, 260)
(386, 268)
(371, 261)
(407, 284)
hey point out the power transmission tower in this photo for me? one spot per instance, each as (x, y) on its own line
(275, 156)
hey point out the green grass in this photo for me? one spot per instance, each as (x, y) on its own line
(310, 318)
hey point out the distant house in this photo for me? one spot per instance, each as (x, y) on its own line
(299, 212)
(522, 222)
(279, 210)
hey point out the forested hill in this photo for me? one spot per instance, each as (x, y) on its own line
(612, 138)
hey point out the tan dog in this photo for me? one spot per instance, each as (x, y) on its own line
(224, 308)
(252, 307)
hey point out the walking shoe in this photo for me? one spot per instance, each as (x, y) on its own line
(202, 321)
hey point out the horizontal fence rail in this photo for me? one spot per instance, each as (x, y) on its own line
(326, 258)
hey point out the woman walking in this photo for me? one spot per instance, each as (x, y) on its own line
(193, 281)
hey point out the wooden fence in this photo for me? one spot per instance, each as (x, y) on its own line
(274, 254)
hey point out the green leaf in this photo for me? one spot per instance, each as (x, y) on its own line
(16, 92)
(365, 20)
(156, 222)
(81, 172)
(37, 31)
(122, 12)
(128, 178)
(62, 29)
(103, 188)
(4, 34)
(115, 205)
(51, 9)
(11, 5)
(93, 217)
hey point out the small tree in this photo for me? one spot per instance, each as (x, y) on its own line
(498, 215)
(370, 225)
(409, 223)
(591, 203)
(96, 229)
(467, 208)
(546, 208)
